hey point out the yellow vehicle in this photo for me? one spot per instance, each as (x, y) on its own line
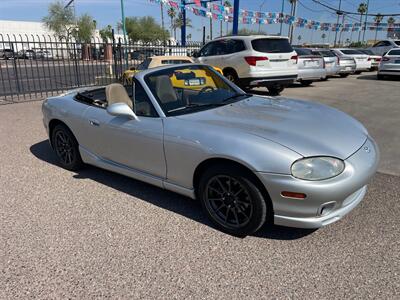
(157, 61)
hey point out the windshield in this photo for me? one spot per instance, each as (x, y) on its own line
(351, 52)
(272, 45)
(301, 51)
(366, 51)
(188, 89)
(324, 53)
(394, 52)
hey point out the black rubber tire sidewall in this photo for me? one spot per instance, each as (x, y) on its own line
(77, 160)
(275, 91)
(259, 215)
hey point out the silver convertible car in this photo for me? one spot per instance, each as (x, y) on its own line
(248, 159)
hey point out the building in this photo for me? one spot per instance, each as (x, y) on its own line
(395, 34)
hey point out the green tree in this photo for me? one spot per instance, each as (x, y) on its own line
(106, 33)
(323, 36)
(144, 29)
(362, 9)
(377, 19)
(60, 20)
(85, 27)
(245, 31)
(299, 38)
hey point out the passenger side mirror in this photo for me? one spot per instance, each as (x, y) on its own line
(121, 110)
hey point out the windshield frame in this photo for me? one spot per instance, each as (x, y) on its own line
(191, 109)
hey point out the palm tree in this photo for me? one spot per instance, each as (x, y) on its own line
(227, 4)
(377, 19)
(362, 9)
(162, 18)
(391, 21)
(172, 14)
(178, 22)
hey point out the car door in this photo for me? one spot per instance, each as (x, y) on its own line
(136, 144)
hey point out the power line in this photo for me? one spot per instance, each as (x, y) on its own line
(349, 12)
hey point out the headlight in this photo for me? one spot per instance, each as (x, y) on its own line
(317, 168)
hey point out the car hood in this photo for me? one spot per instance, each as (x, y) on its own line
(308, 128)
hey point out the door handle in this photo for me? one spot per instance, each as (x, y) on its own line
(94, 122)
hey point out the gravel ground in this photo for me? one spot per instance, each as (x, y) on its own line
(95, 234)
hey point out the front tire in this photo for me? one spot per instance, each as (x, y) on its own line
(275, 90)
(66, 148)
(305, 82)
(344, 75)
(380, 76)
(232, 200)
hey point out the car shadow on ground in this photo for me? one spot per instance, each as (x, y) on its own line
(162, 198)
(374, 77)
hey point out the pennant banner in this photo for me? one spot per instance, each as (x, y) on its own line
(223, 13)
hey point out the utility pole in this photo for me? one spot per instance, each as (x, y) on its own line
(220, 24)
(211, 25)
(341, 30)
(183, 27)
(124, 32)
(259, 24)
(365, 23)
(235, 28)
(293, 14)
(281, 20)
(339, 12)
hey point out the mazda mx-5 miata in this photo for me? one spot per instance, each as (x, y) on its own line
(248, 159)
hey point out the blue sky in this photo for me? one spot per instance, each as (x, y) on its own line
(108, 12)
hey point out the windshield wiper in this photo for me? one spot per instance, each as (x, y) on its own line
(195, 105)
(236, 96)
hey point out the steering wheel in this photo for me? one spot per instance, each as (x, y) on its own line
(206, 89)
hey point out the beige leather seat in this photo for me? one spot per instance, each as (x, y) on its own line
(116, 93)
(164, 89)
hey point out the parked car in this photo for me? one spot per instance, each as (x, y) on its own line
(157, 61)
(390, 64)
(384, 46)
(44, 54)
(375, 59)
(311, 67)
(347, 65)
(331, 61)
(6, 53)
(363, 63)
(251, 61)
(248, 159)
(26, 54)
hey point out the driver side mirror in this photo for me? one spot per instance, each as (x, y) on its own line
(196, 54)
(121, 110)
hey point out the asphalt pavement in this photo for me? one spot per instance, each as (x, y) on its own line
(95, 234)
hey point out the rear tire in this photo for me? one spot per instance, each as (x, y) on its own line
(357, 72)
(344, 75)
(232, 76)
(380, 76)
(275, 90)
(66, 148)
(305, 82)
(232, 200)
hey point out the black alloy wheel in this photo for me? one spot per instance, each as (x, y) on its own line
(232, 200)
(66, 148)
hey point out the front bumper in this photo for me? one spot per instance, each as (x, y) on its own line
(327, 200)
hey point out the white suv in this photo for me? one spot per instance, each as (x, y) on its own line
(252, 61)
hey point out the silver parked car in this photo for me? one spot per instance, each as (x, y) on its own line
(331, 61)
(311, 67)
(347, 64)
(381, 47)
(375, 59)
(390, 64)
(363, 61)
(248, 159)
